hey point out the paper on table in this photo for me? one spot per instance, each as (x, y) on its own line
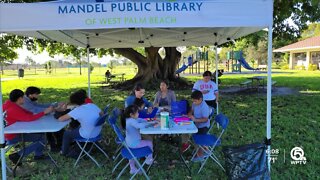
(181, 119)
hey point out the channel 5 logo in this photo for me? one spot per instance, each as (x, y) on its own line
(297, 156)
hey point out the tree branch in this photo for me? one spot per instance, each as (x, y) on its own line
(133, 55)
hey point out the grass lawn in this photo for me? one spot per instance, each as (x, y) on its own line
(295, 122)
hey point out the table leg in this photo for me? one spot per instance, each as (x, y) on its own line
(181, 156)
(179, 152)
(155, 152)
(21, 157)
(45, 147)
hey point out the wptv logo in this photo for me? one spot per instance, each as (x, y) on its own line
(297, 156)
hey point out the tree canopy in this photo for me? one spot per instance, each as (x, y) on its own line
(312, 30)
(291, 18)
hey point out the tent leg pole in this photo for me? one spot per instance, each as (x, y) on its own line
(2, 141)
(268, 134)
(216, 49)
(89, 68)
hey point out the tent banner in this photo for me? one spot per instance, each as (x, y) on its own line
(128, 14)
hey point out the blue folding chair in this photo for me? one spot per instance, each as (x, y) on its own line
(179, 107)
(100, 121)
(129, 153)
(113, 121)
(6, 149)
(105, 111)
(211, 118)
(207, 142)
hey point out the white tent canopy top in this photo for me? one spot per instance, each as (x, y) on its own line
(139, 23)
(122, 24)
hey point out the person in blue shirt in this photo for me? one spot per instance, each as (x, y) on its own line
(138, 92)
(31, 104)
(143, 113)
(30, 100)
(199, 114)
(132, 124)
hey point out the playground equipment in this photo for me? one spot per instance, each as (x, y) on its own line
(199, 56)
(184, 66)
(237, 60)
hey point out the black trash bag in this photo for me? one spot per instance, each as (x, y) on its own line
(247, 162)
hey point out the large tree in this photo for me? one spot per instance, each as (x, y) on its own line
(8, 44)
(152, 66)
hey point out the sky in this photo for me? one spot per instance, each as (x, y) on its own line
(44, 57)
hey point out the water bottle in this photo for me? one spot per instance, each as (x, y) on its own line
(164, 120)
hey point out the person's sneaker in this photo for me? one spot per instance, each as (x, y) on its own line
(149, 161)
(41, 157)
(185, 147)
(73, 154)
(198, 159)
(134, 171)
(55, 149)
(15, 158)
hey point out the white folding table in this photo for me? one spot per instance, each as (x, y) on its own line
(44, 124)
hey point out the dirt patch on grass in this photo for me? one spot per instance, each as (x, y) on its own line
(276, 91)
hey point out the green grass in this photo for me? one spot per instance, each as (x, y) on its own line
(295, 122)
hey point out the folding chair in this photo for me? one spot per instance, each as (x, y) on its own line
(6, 149)
(211, 118)
(129, 153)
(94, 141)
(113, 121)
(207, 142)
(105, 111)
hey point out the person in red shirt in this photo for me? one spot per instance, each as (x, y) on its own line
(87, 100)
(14, 113)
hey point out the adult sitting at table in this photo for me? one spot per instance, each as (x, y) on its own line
(143, 113)
(138, 92)
(208, 88)
(164, 97)
(14, 113)
(108, 76)
(30, 103)
(86, 114)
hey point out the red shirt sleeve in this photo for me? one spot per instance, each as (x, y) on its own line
(88, 100)
(22, 115)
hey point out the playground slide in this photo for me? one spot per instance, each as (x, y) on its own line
(244, 64)
(184, 67)
(192, 63)
(181, 69)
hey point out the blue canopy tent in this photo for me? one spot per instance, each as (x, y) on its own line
(122, 24)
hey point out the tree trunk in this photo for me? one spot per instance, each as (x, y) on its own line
(80, 68)
(2, 71)
(151, 68)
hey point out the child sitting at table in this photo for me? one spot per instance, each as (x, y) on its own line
(86, 114)
(200, 115)
(143, 113)
(14, 112)
(131, 123)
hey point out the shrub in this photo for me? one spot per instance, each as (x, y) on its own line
(301, 67)
(312, 67)
(284, 66)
